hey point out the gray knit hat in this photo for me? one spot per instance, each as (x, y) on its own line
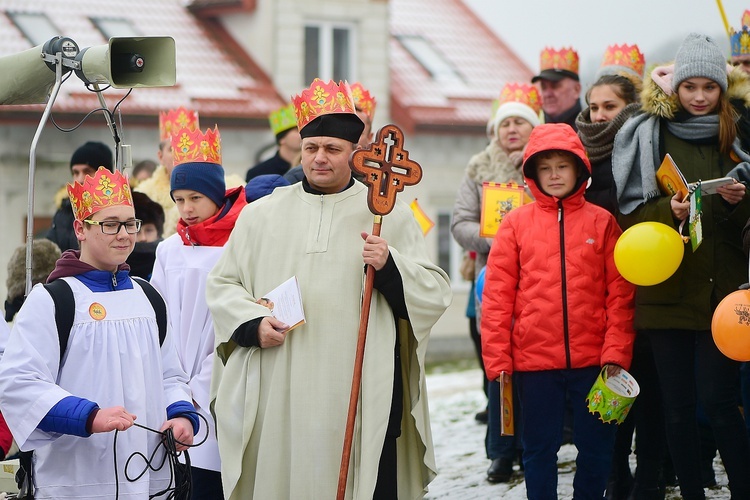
(699, 56)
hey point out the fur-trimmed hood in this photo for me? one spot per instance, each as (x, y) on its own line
(493, 164)
(657, 102)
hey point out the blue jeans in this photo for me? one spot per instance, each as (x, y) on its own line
(542, 395)
(498, 446)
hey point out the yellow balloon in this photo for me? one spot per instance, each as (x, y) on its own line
(648, 253)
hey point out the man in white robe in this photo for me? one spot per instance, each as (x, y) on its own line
(280, 398)
(113, 370)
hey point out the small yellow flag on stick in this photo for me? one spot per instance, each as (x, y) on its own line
(424, 221)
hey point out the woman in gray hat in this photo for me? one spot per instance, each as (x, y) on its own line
(691, 112)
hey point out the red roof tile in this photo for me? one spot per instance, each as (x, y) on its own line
(212, 77)
(484, 62)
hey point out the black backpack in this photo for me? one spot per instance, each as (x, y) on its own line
(65, 308)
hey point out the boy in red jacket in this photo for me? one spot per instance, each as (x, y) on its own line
(556, 310)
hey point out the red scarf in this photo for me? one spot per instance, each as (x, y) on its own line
(215, 231)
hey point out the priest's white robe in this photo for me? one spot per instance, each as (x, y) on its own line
(180, 273)
(281, 412)
(112, 361)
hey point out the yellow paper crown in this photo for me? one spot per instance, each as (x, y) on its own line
(628, 57)
(175, 119)
(520, 92)
(282, 119)
(363, 100)
(190, 146)
(104, 189)
(746, 18)
(322, 99)
(564, 59)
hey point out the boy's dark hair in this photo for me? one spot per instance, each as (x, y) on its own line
(149, 211)
(530, 167)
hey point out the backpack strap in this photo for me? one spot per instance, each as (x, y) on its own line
(157, 302)
(65, 309)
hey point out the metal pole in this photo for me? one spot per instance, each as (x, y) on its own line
(32, 170)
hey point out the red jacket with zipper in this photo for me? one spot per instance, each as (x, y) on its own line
(553, 298)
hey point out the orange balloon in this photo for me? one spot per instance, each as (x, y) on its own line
(730, 326)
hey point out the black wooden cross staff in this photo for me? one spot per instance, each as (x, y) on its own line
(387, 170)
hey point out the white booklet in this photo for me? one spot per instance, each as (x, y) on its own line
(285, 303)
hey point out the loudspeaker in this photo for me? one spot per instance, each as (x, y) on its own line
(127, 62)
(27, 78)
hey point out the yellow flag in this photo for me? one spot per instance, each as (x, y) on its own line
(424, 221)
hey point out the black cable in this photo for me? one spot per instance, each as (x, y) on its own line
(180, 483)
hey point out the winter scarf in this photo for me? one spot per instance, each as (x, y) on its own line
(599, 138)
(215, 231)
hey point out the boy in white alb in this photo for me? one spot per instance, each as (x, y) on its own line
(115, 368)
(207, 215)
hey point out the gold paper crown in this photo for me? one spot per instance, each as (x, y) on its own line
(282, 119)
(190, 146)
(565, 59)
(363, 100)
(176, 119)
(628, 57)
(322, 99)
(520, 92)
(104, 189)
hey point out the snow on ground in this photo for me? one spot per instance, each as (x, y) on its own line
(459, 446)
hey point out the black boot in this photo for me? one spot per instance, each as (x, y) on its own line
(500, 470)
(620, 480)
(649, 481)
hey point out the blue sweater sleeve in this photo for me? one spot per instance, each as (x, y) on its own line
(186, 410)
(68, 416)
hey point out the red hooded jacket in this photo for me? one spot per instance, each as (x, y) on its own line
(553, 298)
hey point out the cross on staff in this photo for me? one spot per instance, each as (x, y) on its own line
(387, 170)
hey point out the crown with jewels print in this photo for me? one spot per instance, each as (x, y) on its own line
(104, 189)
(191, 146)
(564, 59)
(176, 119)
(322, 99)
(624, 58)
(363, 100)
(740, 40)
(522, 93)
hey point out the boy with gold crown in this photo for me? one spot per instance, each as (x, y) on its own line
(114, 368)
(281, 398)
(208, 212)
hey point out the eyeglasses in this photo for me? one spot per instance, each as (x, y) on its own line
(113, 227)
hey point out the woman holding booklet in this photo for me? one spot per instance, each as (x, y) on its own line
(691, 111)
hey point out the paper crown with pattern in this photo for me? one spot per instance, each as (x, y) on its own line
(565, 59)
(191, 146)
(322, 99)
(104, 189)
(740, 40)
(363, 100)
(623, 58)
(523, 93)
(282, 119)
(175, 119)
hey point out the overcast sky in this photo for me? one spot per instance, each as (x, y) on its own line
(657, 26)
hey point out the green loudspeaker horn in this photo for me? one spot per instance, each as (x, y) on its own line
(27, 77)
(127, 62)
